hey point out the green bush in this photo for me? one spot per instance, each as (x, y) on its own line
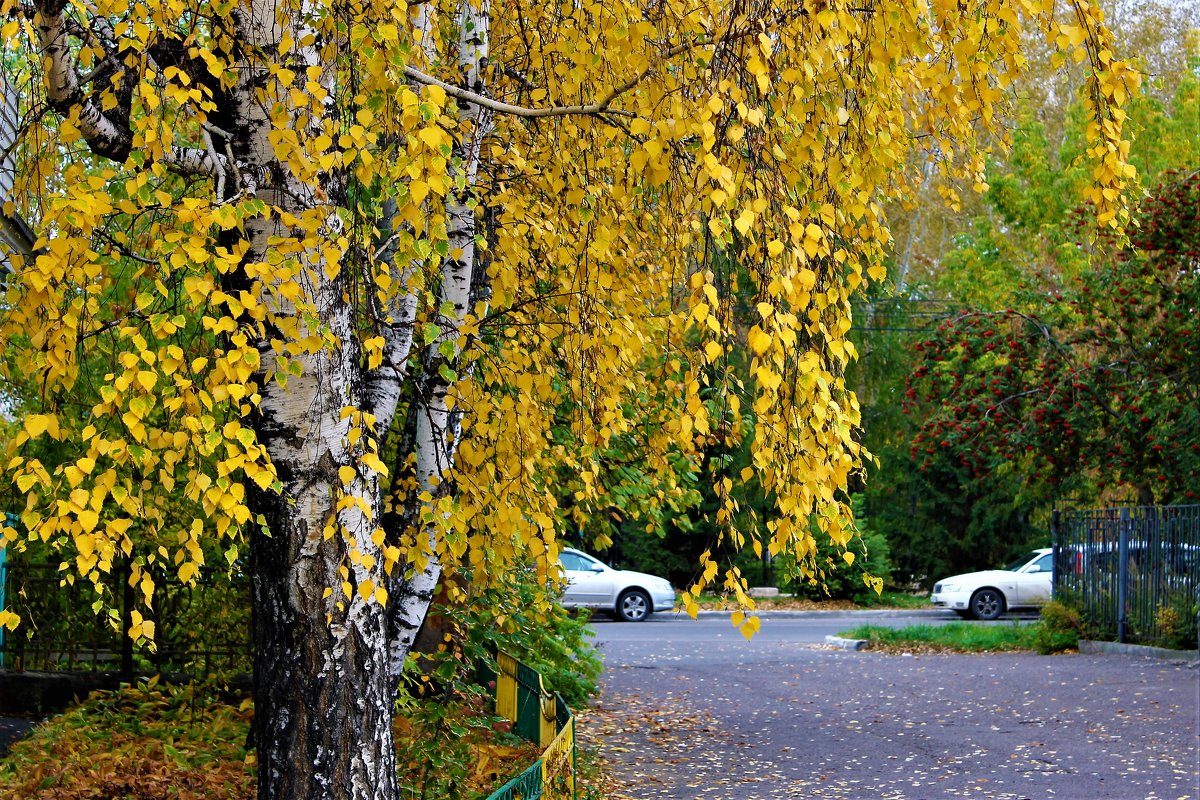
(836, 579)
(524, 620)
(1058, 629)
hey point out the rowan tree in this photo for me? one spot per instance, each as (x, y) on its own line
(1097, 392)
(349, 261)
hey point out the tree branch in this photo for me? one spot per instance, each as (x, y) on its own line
(197, 161)
(63, 91)
(500, 107)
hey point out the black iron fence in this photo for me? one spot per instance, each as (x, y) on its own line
(67, 627)
(1133, 573)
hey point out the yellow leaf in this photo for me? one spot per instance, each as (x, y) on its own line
(744, 222)
(88, 520)
(346, 474)
(372, 462)
(85, 543)
(760, 340)
(849, 557)
(37, 424)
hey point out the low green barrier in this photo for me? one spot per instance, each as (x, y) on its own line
(538, 716)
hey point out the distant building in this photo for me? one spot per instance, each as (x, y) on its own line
(15, 234)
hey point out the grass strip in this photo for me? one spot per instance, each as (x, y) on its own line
(958, 637)
(897, 600)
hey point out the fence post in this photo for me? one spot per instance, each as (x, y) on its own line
(1056, 577)
(3, 582)
(1122, 574)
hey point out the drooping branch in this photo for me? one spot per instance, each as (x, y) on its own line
(63, 91)
(604, 105)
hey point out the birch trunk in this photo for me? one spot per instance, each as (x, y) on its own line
(437, 428)
(323, 698)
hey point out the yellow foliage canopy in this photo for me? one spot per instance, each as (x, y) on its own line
(616, 158)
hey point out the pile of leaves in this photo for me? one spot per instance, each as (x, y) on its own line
(139, 743)
(155, 742)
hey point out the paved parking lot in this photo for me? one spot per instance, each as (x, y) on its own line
(797, 720)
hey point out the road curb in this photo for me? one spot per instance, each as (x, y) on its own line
(1090, 647)
(799, 614)
(846, 644)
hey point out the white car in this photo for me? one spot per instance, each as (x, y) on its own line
(630, 596)
(1026, 583)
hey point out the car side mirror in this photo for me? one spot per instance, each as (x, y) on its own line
(1034, 568)
(596, 568)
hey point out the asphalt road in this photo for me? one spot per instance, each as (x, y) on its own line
(692, 710)
(797, 627)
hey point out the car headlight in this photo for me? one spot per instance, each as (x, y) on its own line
(949, 587)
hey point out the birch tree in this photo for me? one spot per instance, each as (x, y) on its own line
(369, 278)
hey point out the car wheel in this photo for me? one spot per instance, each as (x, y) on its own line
(987, 604)
(633, 606)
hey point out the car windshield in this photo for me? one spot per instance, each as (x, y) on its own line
(578, 562)
(1022, 561)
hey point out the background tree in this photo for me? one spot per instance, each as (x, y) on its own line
(1098, 395)
(1016, 249)
(411, 235)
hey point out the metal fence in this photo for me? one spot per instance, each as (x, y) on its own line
(538, 716)
(65, 626)
(1133, 573)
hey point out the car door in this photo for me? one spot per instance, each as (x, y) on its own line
(1035, 582)
(589, 583)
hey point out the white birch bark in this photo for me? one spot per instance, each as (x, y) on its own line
(437, 429)
(322, 689)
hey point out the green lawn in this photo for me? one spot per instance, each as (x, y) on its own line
(964, 637)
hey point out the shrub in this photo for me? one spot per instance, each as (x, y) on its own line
(1175, 621)
(836, 579)
(1058, 629)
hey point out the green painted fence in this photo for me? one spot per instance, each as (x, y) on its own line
(538, 716)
